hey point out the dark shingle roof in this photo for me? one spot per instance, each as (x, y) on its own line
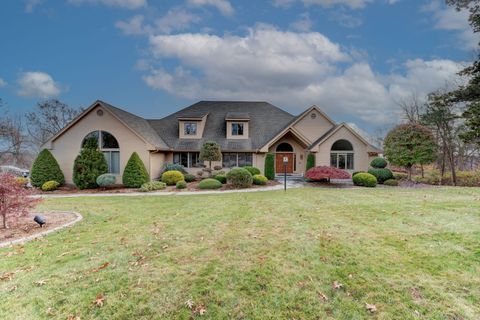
(263, 117)
(237, 116)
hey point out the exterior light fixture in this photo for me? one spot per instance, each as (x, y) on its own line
(40, 220)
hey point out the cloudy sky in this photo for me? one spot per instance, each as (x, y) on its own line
(353, 58)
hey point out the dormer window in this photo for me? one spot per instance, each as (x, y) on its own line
(237, 129)
(190, 129)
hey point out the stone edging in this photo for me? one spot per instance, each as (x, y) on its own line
(78, 218)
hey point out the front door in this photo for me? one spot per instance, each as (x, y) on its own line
(279, 167)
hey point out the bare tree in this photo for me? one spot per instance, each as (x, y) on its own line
(411, 107)
(14, 144)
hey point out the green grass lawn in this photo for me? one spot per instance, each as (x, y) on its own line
(414, 254)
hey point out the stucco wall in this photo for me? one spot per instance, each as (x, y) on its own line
(312, 129)
(67, 146)
(361, 159)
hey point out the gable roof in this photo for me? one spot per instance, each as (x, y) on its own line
(334, 129)
(263, 117)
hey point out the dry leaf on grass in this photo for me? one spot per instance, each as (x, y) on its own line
(6, 276)
(200, 310)
(103, 266)
(189, 303)
(11, 289)
(99, 300)
(40, 282)
(72, 317)
(371, 307)
(323, 296)
(337, 285)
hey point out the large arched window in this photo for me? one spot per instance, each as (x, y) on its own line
(108, 144)
(341, 155)
(284, 147)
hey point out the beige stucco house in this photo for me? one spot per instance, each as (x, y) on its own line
(246, 132)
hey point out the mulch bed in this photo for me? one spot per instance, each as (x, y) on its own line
(25, 226)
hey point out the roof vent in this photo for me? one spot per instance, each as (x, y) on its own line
(99, 112)
(313, 115)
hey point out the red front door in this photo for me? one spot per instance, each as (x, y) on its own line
(279, 167)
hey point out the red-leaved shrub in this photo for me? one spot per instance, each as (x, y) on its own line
(323, 172)
(14, 199)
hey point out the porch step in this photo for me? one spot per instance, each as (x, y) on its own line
(290, 177)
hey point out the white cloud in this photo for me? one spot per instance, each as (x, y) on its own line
(354, 4)
(3, 83)
(134, 26)
(303, 24)
(37, 85)
(127, 4)
(290, 69)
(31, 4)
(283, 3)
(223, 6)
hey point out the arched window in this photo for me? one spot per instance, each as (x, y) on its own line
(284, 147)
(342, 155)
(108, 144)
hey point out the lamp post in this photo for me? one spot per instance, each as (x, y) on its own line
(285, 163)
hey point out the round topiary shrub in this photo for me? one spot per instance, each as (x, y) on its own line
(152, 186)
(381, 174)
(181, 184)
(260, 180)
(106, 180)
(391, 182)
(172, 177)
(50, 185)
(135, 173)
(189, 177)
(209, 184)
(378, 163)
(253, 170)
(239, 178)
(356, 172)
(365, 179)
(222, 178)
(45, 168)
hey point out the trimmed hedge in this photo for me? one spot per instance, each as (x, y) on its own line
(310, 161)
(270, 166)
(45, 168)
(172, 177)
(189, 177)
(221, 177)
(391, 182)
(239, 178)
(365, 180)
(381, 174)
(378, 163)
(50, 186)
(253, 170)
(106, 180)
(400, 176)
(209, 184)
(152, 186)
(181, 184)
(356, 172)
(88, 165)
(173, 167)
(260, 180)
(135, 173)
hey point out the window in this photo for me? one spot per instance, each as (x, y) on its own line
(284, 147)
(190, 128)
(236, 159)
(341, 155)
(237, 129)
(187, 159)
(109, 146)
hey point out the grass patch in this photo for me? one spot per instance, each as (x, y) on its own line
(413, 253)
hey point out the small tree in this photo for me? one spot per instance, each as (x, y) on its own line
(88, 165)
(409, 144)
(45, 168)
(310, 161)
(270, 166)
(14, 199)
(135, 173)
(210, 152)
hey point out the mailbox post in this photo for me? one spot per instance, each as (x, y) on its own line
(285, 163)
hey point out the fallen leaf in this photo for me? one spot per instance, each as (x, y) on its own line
(6, 276)
(189, 303)
(99, 300)
(371, 307)
(103, 266)
(416, 294)
(323, 296)
(200, 310)
(41, 282)
(337, 285)
(72, 317)
(11, 289)
(50, 312)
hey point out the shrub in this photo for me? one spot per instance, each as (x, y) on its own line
(391, 182)
(323, 172)
(88, 165)
(217, 172)
(365, 179)
(240, 178)
(173, 167)
(199, 174)
(45, 168)
(189, 177)
(217, 168)
(172, 177)
(260, 180)
(381, 174)
(181, 184)
(14, 199)
(209, 184)
(221, 177)
(152, 186)
(270, 166)
(378, 163)
(353, 174)
(106, 180)
(253, 170)
(50, 186)
(400, 176)
(22, 181)
(310, 161)
(135, 174)
(467, 178)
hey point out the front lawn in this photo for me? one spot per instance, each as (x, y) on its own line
(412, 253)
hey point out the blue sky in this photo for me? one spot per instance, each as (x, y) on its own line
(353, 58)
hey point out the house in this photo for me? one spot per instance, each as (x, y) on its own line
(246, 132)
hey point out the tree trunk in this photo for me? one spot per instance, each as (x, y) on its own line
(4, 222)
(451, 160)
(423, 171)
(409, 168)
